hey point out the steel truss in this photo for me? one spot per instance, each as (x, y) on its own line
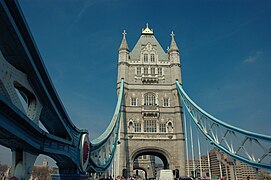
(249, 147)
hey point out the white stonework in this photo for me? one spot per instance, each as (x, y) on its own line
(151, 117)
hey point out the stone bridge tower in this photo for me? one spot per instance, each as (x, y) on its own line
(151, 119)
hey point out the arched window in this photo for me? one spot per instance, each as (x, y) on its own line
(166, 102)
(133, 101)
(145, 57)
(152, 58)
(130, 126)
(160, 73)
(146, 70)
(149, 99)
(152, 70)
(170, 127)
(138, 70)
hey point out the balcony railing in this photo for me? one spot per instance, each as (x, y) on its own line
(150, 111)
(150, 78)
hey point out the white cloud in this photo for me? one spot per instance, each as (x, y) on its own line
(253, 58)
(86, 5)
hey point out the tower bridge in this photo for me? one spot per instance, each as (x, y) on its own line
(152, 122)
(150, 116)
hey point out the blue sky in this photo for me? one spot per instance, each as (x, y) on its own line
(225, 54)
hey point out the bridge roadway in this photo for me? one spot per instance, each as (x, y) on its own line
(16, 126)
(17, 130)
(22, 71)
(19, 49)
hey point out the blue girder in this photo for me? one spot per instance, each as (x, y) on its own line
(18, 132)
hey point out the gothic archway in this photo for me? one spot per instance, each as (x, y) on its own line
(154, 151)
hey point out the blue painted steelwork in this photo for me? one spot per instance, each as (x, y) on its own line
(248, 147)
(23, 54)
(103, 148)
(64, 142)
(17, 131)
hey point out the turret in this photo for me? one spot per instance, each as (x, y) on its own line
(123, 58)
(174, 57)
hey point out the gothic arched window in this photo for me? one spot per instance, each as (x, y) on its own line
(145, 57)
(152, 70)
(133, 101)
(170, 127)
(146, 70)
(130, 126)
(152, 58)
(149, 99)
(138, 70)
(166, 102)
(160, 73)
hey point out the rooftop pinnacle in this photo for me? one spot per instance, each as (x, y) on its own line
(147, 30)
(124, 45)
(173, 45)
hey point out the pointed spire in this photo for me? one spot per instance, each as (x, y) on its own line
(173, 45)
(124, 45)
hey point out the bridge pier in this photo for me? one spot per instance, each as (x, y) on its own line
(22, 164)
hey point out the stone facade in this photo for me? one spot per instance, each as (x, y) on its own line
(151, 117)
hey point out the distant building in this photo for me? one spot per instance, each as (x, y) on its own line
(222, 165)
(197, 168)
(245, 171)
(45, 163)
(41, 171)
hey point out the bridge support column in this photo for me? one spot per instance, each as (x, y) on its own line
(22, 164)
